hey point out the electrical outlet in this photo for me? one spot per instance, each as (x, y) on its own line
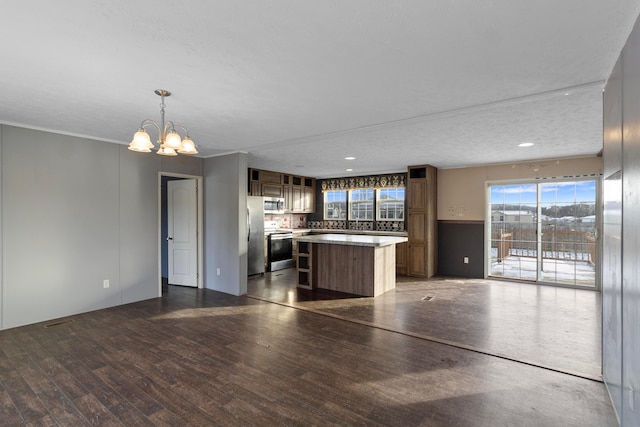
(218, 271)
(105, 283)
(465, 260)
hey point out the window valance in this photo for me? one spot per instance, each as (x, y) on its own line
(360, 182)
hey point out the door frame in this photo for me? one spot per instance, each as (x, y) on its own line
(200, 214)
(487, 227)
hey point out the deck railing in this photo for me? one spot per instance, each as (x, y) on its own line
(574, 245)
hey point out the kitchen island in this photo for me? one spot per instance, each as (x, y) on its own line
(353, 263)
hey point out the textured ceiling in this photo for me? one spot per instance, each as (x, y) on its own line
(299, 85)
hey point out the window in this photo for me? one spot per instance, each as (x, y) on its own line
(367, 204)
(335, 205)
(390, 204)
(361, 205)
(544, 232)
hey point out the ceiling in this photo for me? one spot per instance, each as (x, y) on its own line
(300, 85)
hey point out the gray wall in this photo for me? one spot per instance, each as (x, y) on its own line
(621, 229)
(612, 243)
(74, 213)
(459, 239)
(225, 223)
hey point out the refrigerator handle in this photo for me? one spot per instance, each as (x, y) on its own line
(248, 226)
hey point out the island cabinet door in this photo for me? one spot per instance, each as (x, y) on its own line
(401, 258)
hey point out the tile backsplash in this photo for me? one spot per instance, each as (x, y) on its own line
(288, 220)
(361, 225)
(389, 225)
(357, 225)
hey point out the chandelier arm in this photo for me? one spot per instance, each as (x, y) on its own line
(168, 126)
(184, 129)
(148, 122)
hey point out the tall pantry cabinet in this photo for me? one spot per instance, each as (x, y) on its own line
(422, 226)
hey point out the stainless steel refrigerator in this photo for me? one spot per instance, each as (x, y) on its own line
(255, 235)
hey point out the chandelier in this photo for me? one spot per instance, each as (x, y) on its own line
(169, 140)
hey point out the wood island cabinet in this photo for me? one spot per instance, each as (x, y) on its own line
(401, 258)
(422, 247)
(356, 264)
(304, 265)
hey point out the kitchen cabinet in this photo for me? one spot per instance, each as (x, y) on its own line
(255, 189)
(296, 199)
(308, 199)
(265, 183)
(299, 194)
(288, 197)
(270, 177)
(298, 191)
(271, 190)
(422, 247)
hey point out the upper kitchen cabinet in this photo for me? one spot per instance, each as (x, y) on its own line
(265, 183)
(299, 194)
(298, 191)
(422, 247)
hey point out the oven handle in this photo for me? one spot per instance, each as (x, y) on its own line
(281, 236)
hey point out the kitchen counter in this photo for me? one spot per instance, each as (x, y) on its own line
(353, 263)
(343, 231)
(352, 239)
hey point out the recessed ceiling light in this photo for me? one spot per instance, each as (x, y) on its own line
(349, 170)
(526, 144)
(349, 158)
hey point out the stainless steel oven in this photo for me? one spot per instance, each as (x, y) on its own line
(280, 250)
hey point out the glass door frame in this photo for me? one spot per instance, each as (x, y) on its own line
(539, 243)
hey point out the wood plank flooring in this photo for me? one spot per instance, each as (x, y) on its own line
(556, 328)
(199, 357)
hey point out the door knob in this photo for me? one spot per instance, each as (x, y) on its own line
(169, 238)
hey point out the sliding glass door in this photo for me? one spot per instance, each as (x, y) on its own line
(544, 232)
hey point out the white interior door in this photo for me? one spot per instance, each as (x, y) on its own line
(182, 228)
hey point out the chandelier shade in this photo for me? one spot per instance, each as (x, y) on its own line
(188, 146)
(169, 140)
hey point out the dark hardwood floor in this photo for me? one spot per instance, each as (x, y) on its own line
(199, 357)
(551, 327)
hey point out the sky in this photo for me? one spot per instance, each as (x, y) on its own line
(552, 193)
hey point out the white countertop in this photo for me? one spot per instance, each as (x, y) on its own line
(352, 239)
(344, 231)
